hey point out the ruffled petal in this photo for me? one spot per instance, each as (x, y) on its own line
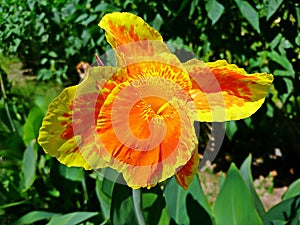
(222, 91)
(68, 130)
(145, 142)
(164, 65)
(185, 175)
(130, 36)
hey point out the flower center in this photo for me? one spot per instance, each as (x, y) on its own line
(158, 104)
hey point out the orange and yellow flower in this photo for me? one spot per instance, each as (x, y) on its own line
(137, 117)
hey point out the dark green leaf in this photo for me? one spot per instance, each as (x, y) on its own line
(249, 13)
(214, 10)
(28, 166)
(104, 190)
(182, 203)
(234, 204)
(287, 210)
(273, 5)
(34, 216)
(71, 218)
(293, 190)
(246, 173)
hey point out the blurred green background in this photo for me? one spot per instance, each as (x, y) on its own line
(43, 41)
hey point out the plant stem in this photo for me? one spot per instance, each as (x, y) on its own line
(137, 202)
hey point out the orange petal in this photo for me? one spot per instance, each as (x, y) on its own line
(130, 36)
(222, 91)
(145, 137)
(185, 174)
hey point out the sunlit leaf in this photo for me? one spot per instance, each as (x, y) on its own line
(234, 204)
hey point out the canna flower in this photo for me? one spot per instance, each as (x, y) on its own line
(137, 117)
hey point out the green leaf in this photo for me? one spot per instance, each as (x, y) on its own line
(34, 216)
(157, 22)
(71, 173)
(287, 210)
(246, 173)
(105, 7)
(281, 60)
(28, 166)
(214, 10)
(71, 218)
(187, 206)
(230, 129)
(273, 5)
(32, 124)
(249, 13)
(234, 204)
(293, 190)
(104, 190)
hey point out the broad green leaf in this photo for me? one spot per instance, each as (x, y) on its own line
(34, 216)
(234, 204)
(71, 173)
(28, 166)
(104, 190)
(246, 173)
(287, 210)
(230, 129)
(273, 5)
(249, 13)
(71, 218)
(32, 124)
(293, 190)
(214, 10)
(187, 206)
